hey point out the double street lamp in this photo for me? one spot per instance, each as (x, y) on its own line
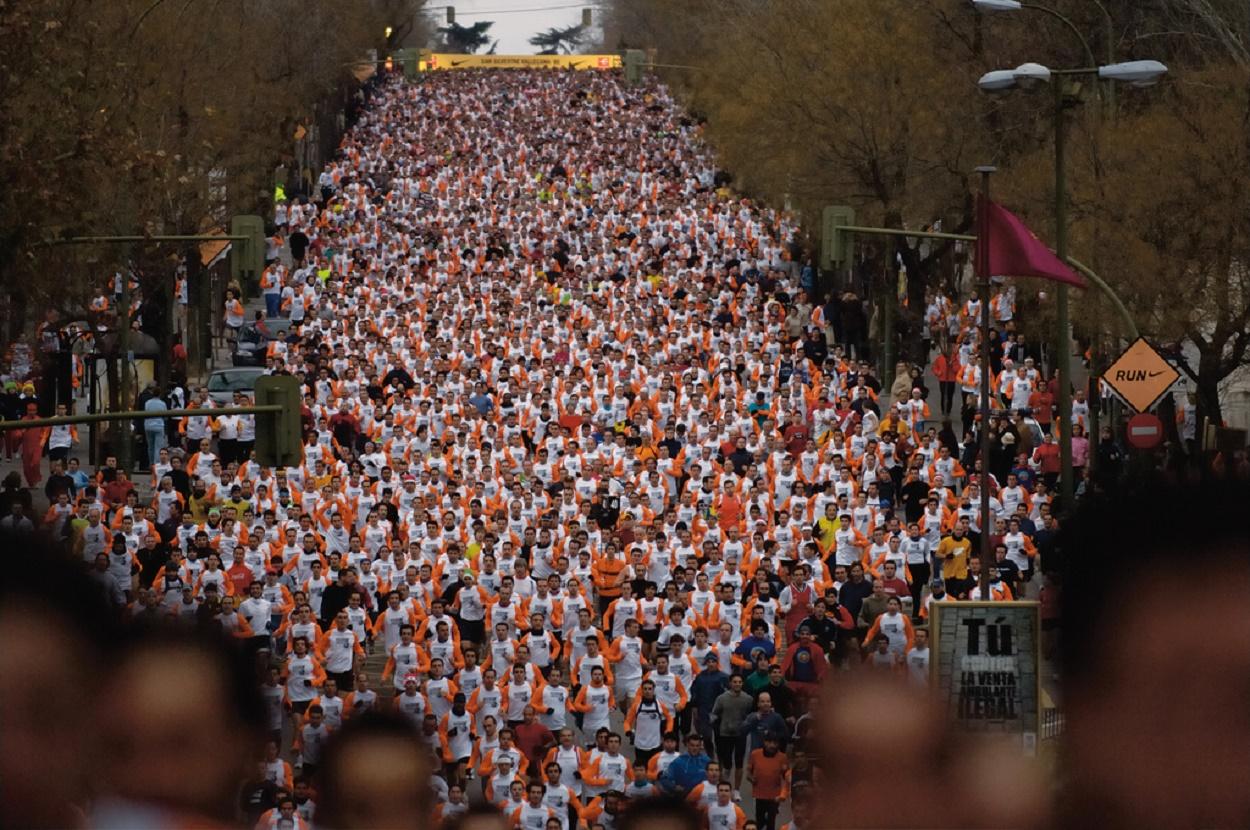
(1139, 73)
(1134, 73)
(1108, 29)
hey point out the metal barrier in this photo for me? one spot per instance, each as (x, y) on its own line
(1052, 723)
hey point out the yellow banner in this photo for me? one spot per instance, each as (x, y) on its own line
(450, 61)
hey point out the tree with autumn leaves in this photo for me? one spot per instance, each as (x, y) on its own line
(157, 117)
(874, 103)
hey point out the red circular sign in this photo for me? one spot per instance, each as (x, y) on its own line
(1144, 431)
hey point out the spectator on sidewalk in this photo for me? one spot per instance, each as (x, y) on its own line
(154, 428)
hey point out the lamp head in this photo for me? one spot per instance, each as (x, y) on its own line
(1000, 80)
(1137, 73)
(1031, 75)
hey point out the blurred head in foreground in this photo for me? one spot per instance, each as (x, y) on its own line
(661, 814)
(479, 817)
(1156, 653)
(876, 727)
(374, 775)
(55, 626)
(180, 724)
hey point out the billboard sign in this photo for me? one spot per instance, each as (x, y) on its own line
(986, 660)
(443, 60)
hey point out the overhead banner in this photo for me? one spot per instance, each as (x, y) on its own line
(985, 664)
(438, 60)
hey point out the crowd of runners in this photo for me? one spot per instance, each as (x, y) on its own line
(588, 480)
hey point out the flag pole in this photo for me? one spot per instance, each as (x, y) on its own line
(983, 258)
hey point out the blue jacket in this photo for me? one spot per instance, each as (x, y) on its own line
(707, 686)
(756, 726)
(684, 773)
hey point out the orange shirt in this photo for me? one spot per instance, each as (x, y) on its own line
(605, 573)
(768, 774)
(729, 511)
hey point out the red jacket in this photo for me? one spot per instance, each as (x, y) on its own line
(1047, 455)
(819, 665)
(948, 370)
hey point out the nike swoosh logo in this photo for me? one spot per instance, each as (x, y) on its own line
(457, 63)
(1155, 374)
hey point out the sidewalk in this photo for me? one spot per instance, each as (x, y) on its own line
(220, 358)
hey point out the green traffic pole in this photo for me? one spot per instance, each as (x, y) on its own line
(1063, 340)
(124, 365)
(888, 300)
(137, 415)
(1094, 399)
(160, 237)
(986, 552)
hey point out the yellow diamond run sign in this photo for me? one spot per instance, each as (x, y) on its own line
(1140, 376)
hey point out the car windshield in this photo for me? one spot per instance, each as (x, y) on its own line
(230, 381)
(265, 330)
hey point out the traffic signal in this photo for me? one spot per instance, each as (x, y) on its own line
(279, 435)
(451, 15)
(586, 19)
(247, 255)
(835, 245)
(634, 59)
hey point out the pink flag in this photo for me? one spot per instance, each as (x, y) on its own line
(1009, 249)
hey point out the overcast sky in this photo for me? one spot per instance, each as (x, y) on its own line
(513, 27)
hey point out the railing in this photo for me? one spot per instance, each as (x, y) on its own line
(1052, 723)
(139, 415)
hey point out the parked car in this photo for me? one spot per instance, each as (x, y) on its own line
(254, 339)
(223, 383)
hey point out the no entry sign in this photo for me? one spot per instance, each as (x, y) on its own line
(1145, 431)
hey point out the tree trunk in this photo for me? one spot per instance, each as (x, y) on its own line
(108, 429)
(198, 317)
(165, 336)
(1208, 390)
(911, 317)
(1167, 414)
(17, 316)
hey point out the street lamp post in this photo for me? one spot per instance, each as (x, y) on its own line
(986, 552)
(1108, 30)
(1137, 73)
(1063, 322)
